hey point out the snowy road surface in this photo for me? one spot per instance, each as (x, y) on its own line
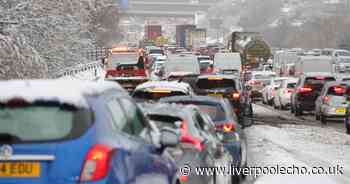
(280, 139)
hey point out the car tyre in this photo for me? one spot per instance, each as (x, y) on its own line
(317, 117)
(323, 119)
(298, 111)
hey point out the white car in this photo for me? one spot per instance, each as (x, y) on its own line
(283, 95)
(269, 91)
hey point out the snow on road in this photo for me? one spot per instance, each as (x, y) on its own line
(299, 145)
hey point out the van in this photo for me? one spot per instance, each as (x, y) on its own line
(228, 63)
(309, 64)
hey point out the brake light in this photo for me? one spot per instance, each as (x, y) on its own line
(339, 90)
(305, 89)
(96, 163)
(320, 77)
(254, 82)
(226, 127)
(236, 96)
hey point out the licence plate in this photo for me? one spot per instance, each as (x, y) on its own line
(20, 169)
(340, 110)
(216, 95)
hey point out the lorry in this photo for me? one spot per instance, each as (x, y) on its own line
(127, 67)
(195, 38)
(181, 34)
(254, 50)
(152, 32)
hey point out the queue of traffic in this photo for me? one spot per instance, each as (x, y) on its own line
(310, 81)
(128, 128)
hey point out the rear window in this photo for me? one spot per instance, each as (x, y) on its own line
(170, 121)
(317, 82)
(291, 85)
(42, 122)
(215, 84)
(155, 96)
(216, 112)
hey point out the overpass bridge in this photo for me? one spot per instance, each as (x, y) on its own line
(167, 8)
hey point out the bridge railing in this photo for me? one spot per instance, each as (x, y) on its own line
(93, 68)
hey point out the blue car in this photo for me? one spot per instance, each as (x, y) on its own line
(59, 131)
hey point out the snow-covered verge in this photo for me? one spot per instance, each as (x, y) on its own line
(298, 145)
(52, 35)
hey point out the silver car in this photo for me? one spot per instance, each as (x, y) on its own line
(332, 103)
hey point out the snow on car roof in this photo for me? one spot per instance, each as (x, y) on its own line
(71, 92)
(173, 85)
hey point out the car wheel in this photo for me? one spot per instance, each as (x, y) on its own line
(317, 117)
(298, 111)
(323, 119)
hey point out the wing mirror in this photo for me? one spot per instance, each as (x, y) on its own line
(169, 137)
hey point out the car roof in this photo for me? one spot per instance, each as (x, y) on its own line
(314, 74)
(71, 91)
(173, 85)
(193, 98)
(218, 75)
(168, 109)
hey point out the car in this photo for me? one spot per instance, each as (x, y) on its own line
(226, 86)
(72, 131)
(206, 66)
(200, 146)
(152, 91)
(256, 81)
(307, 90)
(332, 102)
(282, 98)
(269, 91)
(220, 111)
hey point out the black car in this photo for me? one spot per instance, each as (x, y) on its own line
(220, 111)
(226, 86)
(199, 142)
(307, 90)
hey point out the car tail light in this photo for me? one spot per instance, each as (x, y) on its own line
(96, 163)
(226, 127)
(236, 96)
(305, 89)
(339, 90)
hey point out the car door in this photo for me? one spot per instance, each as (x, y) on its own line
(147, 156)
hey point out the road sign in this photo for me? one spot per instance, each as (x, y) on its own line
(124, 4)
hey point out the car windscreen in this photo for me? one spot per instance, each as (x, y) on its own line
(216, 84)
(124, 58)
(317, 83)
(155, 96)
(42, 122)
(338, 90)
